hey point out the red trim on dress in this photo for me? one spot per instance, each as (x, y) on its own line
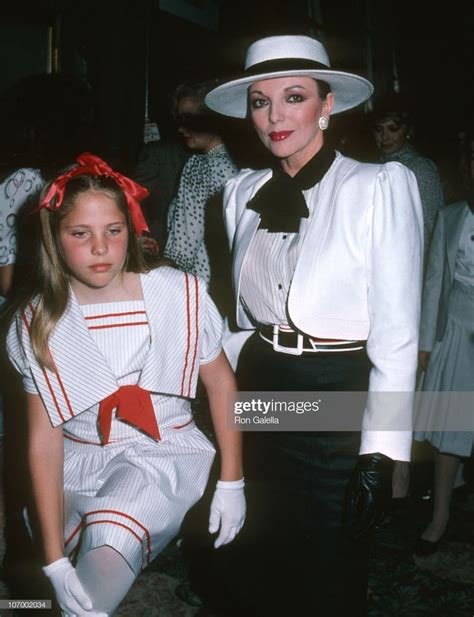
(83, 525)
(59, 380)
(183, 425)
(48, 383)
(115, 315)
(134, 520)
(89, 443)
(118, 325)
(119, 525)
(188, 325)
(73, 552)
(66, 398)
(74, 532)
(196, 294)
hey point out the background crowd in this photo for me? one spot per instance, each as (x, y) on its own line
(186, 173)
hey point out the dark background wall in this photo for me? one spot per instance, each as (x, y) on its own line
(112, 47)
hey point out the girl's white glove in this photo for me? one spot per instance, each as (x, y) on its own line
(70, 594)
(227, 511)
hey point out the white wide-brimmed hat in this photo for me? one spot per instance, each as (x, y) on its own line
(284, 56)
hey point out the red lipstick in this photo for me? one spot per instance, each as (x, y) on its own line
(280, 135)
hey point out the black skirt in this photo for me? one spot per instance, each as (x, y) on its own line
(297, 483)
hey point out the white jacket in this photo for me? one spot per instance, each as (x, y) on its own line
(358, 276)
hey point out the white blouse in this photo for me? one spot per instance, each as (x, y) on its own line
(268, 269)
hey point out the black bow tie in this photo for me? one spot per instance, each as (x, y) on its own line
(280, 201)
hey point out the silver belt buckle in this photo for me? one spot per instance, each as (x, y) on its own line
(295, 351)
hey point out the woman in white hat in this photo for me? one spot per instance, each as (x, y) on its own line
(327, 271)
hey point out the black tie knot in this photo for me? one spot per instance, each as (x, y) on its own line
(280, 201)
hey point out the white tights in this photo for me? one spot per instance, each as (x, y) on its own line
(106, 577)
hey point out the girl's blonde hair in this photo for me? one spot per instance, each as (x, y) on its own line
(53, 288)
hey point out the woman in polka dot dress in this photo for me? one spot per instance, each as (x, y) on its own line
(203, 176)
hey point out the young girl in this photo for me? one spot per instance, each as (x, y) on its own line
(110, 352)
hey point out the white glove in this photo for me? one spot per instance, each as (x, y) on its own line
(70, 594)
(227, 511)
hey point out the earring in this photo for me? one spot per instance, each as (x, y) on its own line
(323, 122)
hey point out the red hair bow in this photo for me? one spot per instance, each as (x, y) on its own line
(93, 165)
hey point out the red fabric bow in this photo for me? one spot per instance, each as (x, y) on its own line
(93, 165)
(134, 406)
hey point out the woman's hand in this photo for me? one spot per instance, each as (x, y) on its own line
(228, 510)
(70, 593)
(423, 359)
(369, 494)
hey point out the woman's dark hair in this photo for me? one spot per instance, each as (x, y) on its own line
(202, 120)
(323, 88)
(400, 117)
(191, 90)
(395, 107)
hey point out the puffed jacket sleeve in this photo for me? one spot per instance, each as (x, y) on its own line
(432, 287)
(394, 265)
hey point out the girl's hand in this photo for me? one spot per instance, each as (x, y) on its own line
(228, 509)
(70, 594)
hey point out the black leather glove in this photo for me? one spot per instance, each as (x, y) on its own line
(368, 494)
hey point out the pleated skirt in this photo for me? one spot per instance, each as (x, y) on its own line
(133, 496)
(451, 369)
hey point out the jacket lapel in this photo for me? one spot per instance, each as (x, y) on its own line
(247, 222)
(245, 231)
(316, 233)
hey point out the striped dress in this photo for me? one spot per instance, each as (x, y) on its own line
(132, 493)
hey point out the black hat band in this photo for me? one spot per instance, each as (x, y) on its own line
(285, 64)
